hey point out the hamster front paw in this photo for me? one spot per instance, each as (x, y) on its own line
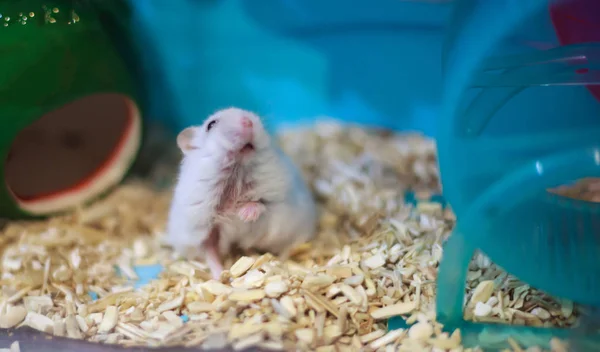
(185, 246)
(251, 211)
(213, 262)
(189, 252)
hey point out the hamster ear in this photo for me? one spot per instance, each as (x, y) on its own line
(184, 139)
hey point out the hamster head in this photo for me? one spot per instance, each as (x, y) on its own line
(239, 132)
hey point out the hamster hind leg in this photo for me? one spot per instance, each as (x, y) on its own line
(213, 259)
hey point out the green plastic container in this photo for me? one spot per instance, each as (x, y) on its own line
(70, 119)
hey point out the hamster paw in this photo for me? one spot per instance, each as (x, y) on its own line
(213, 261)
(251, 211)
(216, 268)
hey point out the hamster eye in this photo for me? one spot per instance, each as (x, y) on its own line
(210, 125)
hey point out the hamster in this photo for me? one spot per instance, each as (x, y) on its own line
(235, 186)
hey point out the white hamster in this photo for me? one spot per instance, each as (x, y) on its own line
(236, 186)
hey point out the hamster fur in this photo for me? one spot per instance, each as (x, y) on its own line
(235, 186)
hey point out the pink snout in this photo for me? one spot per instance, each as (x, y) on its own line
(241, 133)
(247, 132)
(246, 122)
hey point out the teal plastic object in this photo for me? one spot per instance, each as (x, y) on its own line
(519, 117)
(291, 60)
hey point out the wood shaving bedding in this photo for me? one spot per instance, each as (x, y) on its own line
(587, 189)
(375, 257)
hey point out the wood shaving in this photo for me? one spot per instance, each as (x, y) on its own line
(247, 296)
(587, 189)
(276, 288)
(420, 331)
(558, 346)
(109, 321)
(12, 317)
(393, 310)
(375, 257)
(14, 347)
(39, 322)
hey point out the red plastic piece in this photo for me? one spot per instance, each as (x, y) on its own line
(577, 21)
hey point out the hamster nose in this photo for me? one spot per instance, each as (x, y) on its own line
(246, 122)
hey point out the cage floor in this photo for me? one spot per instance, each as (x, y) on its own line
(33, 340)
(101, 273)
